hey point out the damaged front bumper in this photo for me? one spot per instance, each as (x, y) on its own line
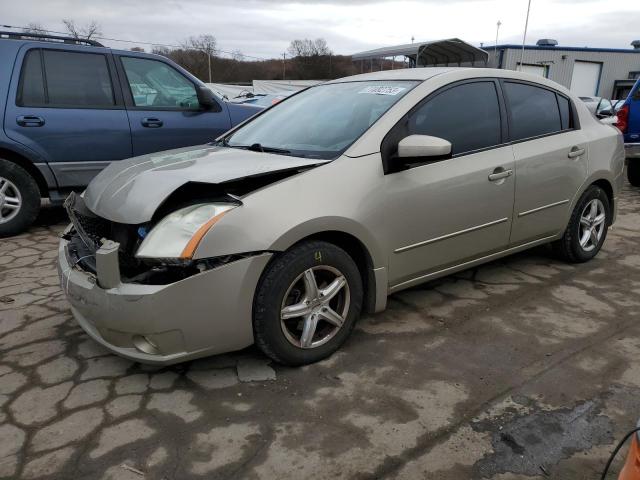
(204, 314)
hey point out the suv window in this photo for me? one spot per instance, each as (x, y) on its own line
(73, 79)
(466, 115)
(155, 84)
(534, 111)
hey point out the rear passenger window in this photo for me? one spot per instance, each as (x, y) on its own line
(71, 80)
(31, 90)
(467, 115)
(565, 112)
(77, 79)
(534, 111)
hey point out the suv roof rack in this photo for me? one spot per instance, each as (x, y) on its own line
(48, 38)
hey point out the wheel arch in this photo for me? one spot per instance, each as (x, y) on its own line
(606, 186)
(28, 165)
(366, 256)
(361, 256)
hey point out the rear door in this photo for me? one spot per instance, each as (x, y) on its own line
(163, 107)
(66, 105)
(550, 154)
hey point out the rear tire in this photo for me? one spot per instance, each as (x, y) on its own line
(633, 172)
(19, 199)
(292, 324)
(587, 229)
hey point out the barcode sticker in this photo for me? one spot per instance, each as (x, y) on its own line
(382, 90)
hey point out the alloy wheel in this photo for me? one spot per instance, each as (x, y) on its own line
(592, 224)
(10, 200)
(315, 307)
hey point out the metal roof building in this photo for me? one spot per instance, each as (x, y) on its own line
(449, 52)
(602, 72)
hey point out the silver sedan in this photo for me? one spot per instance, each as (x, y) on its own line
(283, 230)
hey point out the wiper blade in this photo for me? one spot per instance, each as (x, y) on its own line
(257, 147)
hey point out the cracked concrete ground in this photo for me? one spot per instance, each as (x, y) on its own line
(525, 367)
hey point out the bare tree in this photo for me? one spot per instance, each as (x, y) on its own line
(206, 44)
(237, 55)
(34, 27)
(309, 48)
(84, 32)
(311, 58)
(160, 50)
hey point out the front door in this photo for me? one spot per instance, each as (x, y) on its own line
(551, 159)
(163, 107)
(64, 105)
(451, 211)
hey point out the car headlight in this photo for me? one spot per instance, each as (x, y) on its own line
(178, 234)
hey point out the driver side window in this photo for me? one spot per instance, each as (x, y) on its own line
(156, 84)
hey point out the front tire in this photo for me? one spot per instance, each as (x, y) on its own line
(633, 172)
(306, 303)
(587, 229)
(19, 199)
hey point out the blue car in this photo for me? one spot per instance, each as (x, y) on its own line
(70, 107)
(629, 124)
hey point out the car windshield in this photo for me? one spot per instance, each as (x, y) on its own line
(322, 121)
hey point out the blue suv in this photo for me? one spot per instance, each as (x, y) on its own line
(629, 124)
(70, 107)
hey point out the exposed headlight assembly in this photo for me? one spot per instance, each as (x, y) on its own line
(178, 234)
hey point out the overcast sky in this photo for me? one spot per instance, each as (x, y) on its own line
(264, 28)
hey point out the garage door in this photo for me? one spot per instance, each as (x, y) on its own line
(585, 78)
(540, 70)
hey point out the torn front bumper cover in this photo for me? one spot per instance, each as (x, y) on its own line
(204, 314)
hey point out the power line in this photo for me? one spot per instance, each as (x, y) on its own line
(136, 42)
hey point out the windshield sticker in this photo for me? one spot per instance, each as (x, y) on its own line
(382, 90)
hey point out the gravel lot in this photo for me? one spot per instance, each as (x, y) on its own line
(526, 367)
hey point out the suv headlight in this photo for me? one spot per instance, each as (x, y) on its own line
(178, 234)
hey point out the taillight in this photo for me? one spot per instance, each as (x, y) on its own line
(623, 118)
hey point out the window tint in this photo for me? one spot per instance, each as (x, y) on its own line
(77, 79)
(534, 111)
(31, 83)
(467, 115)
(156, 84)
(565, 112)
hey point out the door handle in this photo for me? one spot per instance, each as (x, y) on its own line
(151, 122)
(499, 174)
(575, 152)
(30, 121)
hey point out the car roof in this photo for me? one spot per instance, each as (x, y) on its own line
(402, 74)
(459, 73)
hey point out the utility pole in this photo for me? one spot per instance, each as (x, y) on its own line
(524, 36)
(209, 57)
(496, 47)
(284, 66)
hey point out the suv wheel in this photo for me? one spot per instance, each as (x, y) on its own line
(633, 172)
(587, 227)
(307, 303)
(19, 199)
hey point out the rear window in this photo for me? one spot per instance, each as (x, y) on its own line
(70, 79)
(533, 111)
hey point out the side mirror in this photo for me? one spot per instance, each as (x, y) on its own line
(206, 98)
(424, 147)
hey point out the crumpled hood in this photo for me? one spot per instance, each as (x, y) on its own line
(130, 191)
